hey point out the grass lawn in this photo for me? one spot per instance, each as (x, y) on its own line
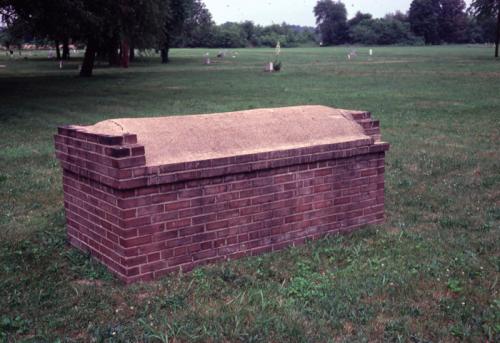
(430, 273)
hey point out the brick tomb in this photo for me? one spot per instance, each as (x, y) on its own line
(150, 196)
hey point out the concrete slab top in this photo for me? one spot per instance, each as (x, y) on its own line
(185, 138)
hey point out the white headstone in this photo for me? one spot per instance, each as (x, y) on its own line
(371, 52)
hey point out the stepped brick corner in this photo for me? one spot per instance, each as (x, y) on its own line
(151, 196)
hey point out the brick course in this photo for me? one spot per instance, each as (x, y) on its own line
(143, 222)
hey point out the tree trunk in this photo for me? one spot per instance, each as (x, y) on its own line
(65, 51)
(101, 54)
(164, 55)
(125, 51)
(497, 40)
(132, 53)
(88, 59)
(113, 56)
(58, 51)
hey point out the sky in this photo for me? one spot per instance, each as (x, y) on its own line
(299, 12)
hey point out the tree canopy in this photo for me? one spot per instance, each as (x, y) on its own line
(102, 25)
(424, 20)
(489, 9)
(331, 18)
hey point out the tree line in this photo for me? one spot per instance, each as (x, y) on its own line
(426, 22)
(109, 29)
(114, 29)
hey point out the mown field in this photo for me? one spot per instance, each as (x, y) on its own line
(429, 274)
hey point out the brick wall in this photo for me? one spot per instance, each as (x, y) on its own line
(143, 222)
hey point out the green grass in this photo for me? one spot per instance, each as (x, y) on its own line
(429, 274)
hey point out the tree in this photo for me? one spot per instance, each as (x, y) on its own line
(229, 35)
(364, 33)
(331, 19)
(15, 30)
(40, 17)
(452, 21)
(424, 20)
(176, 13)
(144, 25)
(489, 9)
(382, 31)
(250, 31)
(481, 30)
(105, 26)
(198, 28)
(358, 18)
(398, 15)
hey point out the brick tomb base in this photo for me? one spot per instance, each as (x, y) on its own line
(151, 196)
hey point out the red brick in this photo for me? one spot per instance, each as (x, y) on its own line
(142, 211)
(177, 205)
(164, 217)
(132, 242)
(190, 230)
(145, 221)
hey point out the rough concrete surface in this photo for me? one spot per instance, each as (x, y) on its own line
(184, 138)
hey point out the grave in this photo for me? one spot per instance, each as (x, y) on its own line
(151, 196)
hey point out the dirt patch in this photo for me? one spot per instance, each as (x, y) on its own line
(176, 88)
(384, 62)
(393, 230)
(378, 325)
(413, 167)
(348, 328)
(144, 296)
(439, 103)
(409, 72)
(122, 308)
(488, 154)
(85, 282)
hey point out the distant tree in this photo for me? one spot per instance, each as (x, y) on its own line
(198, 28)
(364, 33)
(358, 18)
(229, 35)
(37, 18)
(176, 13)
(424, 20)
(481, 30)
(393, 31)
(398, 15)
(382, 32)
(489, 9)
(103, 25)
(452, 21)
(14, 30)
(111, 25)
(306, 34)
(331, 20)
(144, 26)
(251, 32)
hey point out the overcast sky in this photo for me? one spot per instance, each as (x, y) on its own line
(298, 12)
